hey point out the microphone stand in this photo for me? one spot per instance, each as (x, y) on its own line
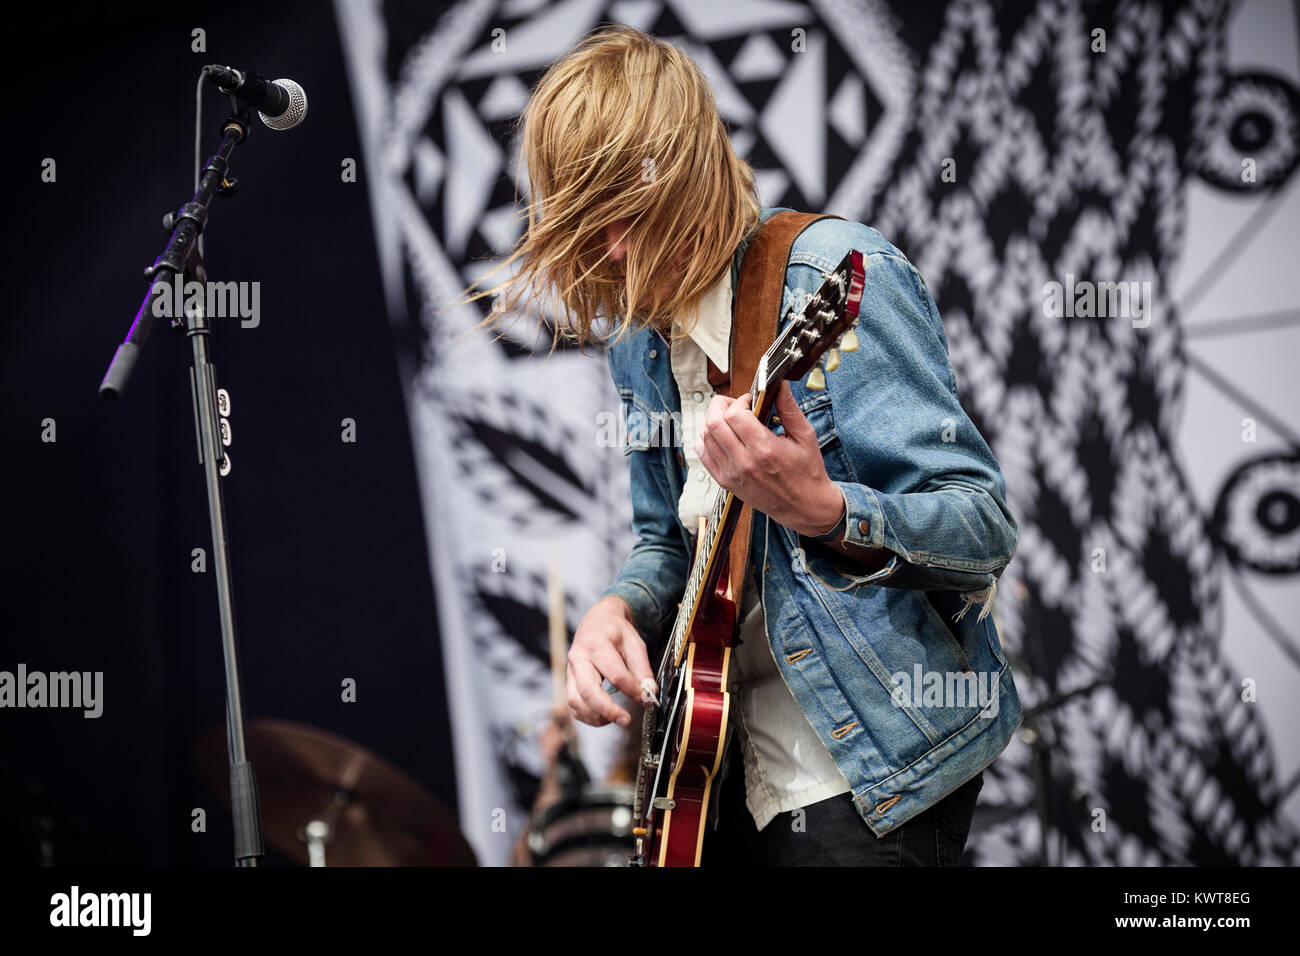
(181, 257)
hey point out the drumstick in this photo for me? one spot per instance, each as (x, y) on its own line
(559, 641)
(559, 631)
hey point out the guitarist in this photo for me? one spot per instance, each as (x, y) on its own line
(865, 702)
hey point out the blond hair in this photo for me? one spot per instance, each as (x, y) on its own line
(624, 127)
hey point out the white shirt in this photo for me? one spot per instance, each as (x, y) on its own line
(786, 764)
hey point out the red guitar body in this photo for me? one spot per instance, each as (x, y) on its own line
(696, 752)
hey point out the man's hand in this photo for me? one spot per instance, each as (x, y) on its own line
(606, 646)
(783, 476)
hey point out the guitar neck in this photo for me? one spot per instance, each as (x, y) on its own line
(719, 528)
(729, 506)
(799, 346)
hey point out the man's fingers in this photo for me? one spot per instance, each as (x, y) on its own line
(609, 662)
(594, 696)
(717, 435)
(577, 708)
(638, 661)
(794, 422)
(710, 464)
(746, 427)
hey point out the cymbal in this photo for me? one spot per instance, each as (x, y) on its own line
(375, 813)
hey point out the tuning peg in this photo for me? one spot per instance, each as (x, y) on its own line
(817, 379)
(832, 360)
(849, 341)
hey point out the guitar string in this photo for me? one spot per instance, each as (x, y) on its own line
(826, 314)
(767, 375)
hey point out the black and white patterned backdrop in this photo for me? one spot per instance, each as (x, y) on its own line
(1152, 460)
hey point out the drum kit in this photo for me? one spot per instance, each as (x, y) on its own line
(324, 798)
(327, 799)
(592, 827)
(576, 822)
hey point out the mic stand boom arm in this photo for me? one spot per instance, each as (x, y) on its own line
(181, 257)
(189, 219)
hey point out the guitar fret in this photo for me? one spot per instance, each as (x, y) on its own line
(790, 345)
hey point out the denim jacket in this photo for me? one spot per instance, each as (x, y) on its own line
(911, 695)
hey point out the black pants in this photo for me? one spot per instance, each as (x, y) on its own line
(832, 833)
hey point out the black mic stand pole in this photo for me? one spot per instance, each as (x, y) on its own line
(180, 258)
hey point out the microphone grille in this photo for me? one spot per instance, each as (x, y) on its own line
(292, 116)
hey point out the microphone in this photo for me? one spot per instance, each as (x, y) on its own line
(282, 104)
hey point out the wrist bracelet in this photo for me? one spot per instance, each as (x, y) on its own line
(837, 531)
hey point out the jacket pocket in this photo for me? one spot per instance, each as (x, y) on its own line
(816, 407)
(941, 626)
(640, 424)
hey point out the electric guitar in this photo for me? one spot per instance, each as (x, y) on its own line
(684, 730)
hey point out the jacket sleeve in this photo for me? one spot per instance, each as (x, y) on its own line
(928, 488)
(653, 577)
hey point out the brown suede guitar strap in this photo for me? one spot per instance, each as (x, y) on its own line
(755, 317)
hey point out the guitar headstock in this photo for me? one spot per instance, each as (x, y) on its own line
(821, 331)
